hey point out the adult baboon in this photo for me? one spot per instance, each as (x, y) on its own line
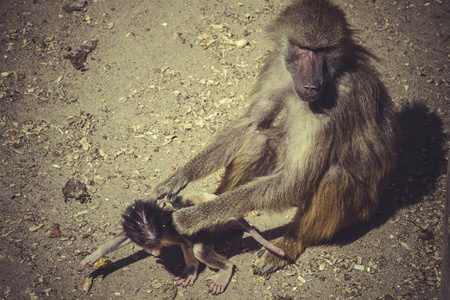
(330, 154)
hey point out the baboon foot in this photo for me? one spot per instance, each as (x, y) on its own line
(269, 263)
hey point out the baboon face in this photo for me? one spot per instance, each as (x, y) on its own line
(308, 68)
(312, 36)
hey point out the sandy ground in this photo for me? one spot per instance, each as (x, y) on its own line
(159, 80)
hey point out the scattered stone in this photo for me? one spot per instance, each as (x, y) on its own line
(76, 6)
(75, 189)
(78, 59)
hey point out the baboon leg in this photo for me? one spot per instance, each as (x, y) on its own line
(336, 205)
(260, 155)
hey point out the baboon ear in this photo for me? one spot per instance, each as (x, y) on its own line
(119, 226)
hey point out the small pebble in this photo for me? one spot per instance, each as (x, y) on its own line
(241, 43)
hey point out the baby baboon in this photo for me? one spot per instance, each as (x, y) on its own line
(330, 151)
(149, 226)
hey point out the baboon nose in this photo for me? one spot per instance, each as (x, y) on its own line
(308, 92)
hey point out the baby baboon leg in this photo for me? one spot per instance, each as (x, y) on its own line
(118, 242)
(212, 259)
(197, 198)
(255, 234)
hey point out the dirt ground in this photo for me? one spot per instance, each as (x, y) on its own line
(160, 78)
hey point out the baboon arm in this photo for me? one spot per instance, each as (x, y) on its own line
(235, 204)
(222, 151)
(215, 156)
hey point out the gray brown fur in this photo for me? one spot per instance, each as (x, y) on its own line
(330, 155)
(196, 198)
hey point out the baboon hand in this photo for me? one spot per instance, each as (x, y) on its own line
(171, 186)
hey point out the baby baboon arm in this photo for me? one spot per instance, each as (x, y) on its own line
(189, 274)
(120, 241)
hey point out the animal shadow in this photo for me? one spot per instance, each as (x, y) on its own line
(171, 258)
(420, 162)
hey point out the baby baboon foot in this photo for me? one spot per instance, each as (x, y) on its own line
(268, 263)
(218, 284)
(89, 261)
